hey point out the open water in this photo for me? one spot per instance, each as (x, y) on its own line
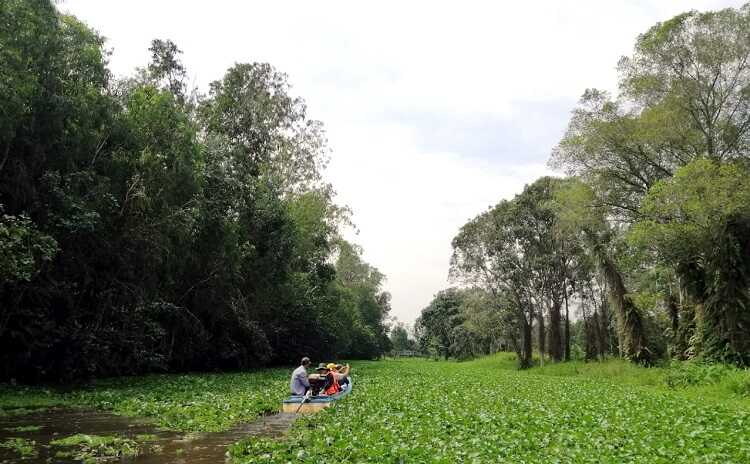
(168, 447)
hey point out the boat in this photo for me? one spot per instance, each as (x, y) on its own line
(313, 403)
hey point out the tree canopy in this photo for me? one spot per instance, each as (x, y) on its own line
(145, 227)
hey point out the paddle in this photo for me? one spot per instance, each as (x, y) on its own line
(305, 398)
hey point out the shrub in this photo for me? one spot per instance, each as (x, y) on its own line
(690, 373)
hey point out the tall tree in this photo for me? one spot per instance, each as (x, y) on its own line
(699, 222)
(400, 339)
(166, 68)
(695, 69)
(439, 319)
(578, 213)
(488, 254)
(368, 304)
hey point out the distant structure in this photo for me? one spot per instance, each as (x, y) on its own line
(406, 353)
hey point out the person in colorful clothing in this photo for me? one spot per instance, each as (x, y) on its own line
(333, 377)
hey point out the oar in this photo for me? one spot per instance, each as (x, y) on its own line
(305, 398)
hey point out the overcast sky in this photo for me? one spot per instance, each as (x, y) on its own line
(434, 110)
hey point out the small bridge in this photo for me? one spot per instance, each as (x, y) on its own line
(406, 354)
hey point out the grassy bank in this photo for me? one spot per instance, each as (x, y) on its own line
(196, 402)
(486, 411)
(708, 382)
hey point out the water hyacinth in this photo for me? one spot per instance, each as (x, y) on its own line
(445, 412)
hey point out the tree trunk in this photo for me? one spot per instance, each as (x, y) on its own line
(697, 339)
(525, 360)
(600, 331)
(592, 342)
(629, 322)
(555, 332)
(6, 152)
(674, 313)
(604, 327)
(630, 331)
(567, 328)
(541, 334)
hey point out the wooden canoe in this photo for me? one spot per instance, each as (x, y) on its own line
(314, 403)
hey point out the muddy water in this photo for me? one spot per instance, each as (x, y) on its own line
(168, 447)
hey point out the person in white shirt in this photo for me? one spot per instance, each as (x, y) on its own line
(300, 383)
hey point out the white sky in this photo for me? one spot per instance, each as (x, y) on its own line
(434, 110)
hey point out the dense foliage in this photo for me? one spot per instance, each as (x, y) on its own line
(401, 340)
(647, 243)
(462, 324)
(147, 228)
(487, 411)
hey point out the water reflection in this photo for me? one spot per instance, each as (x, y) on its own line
(166, 447)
